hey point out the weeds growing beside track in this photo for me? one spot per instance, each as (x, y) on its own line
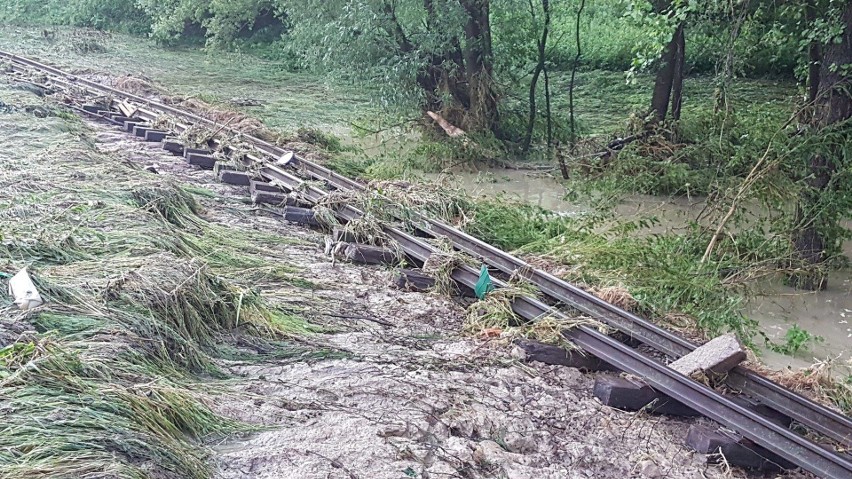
(113, 375)
(661, 273)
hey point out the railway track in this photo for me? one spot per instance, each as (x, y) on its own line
(797, 448)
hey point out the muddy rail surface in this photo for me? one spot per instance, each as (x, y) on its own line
(282, 170)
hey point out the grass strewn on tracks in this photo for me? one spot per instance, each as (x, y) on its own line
(112, 377)
(266, 90)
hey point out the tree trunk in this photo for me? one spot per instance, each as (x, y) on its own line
(832, 104)
(677, 73)
(478, 62)
(813, 55)
(547, 110)
(444, 73)
(539, 68)
(463, 72)
(572, 123)
(669, 76)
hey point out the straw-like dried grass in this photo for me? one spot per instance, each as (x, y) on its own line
(143, 295)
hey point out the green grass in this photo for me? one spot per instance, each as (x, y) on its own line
(144, 297)
(289, 101)
(663, 273)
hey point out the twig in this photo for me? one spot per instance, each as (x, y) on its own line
(750, 179)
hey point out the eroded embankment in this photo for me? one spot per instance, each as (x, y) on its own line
(178, 318)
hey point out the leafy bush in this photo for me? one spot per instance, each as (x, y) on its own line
(663, 273)
(113, 15)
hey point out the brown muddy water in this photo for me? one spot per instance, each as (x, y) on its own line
(827, 314)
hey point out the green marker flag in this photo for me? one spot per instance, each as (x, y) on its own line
(484, 285)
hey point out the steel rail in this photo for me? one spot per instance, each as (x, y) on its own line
(801, 409)
(703, 399)
(776, 439)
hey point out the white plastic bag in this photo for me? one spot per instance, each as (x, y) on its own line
(21, 288)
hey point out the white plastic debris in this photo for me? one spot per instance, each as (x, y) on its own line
(21, 288)
(285, 158)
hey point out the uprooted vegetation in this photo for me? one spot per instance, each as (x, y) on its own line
(117, 374)
(144, 298)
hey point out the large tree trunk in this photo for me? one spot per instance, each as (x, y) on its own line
(462, 73)
(478, 62)
(833, 104)
(813, 57)
(669, 79)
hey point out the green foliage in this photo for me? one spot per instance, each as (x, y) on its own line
(113, 15)
(327, 141)
(828, 207)
(511, 225)
(796, 339)
(706, 152)
(222, 23)
(663, 273)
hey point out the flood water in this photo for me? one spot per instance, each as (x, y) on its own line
(776, 307)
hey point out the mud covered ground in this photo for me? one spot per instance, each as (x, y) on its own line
(405, 395)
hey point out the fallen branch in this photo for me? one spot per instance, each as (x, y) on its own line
(451, 130)
(753, 176)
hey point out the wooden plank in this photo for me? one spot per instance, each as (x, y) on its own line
(231, 177)
(736, 451)
(414, 280)
(303, 216)
(263, 186)
(630, 395)
(365, 254)
(197, 151)
(155, 135)
(174, 146)
(558, 356)
(204, 161)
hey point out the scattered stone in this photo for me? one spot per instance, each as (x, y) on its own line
(717, 356)
(490, 453)
(649, 470)
(519, 443)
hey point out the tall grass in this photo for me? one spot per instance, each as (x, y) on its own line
(663, 273)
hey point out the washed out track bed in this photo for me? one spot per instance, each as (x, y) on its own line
(762, 425)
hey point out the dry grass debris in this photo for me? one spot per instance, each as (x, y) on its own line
(137, 86)
(143, 297)
(818, 381)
